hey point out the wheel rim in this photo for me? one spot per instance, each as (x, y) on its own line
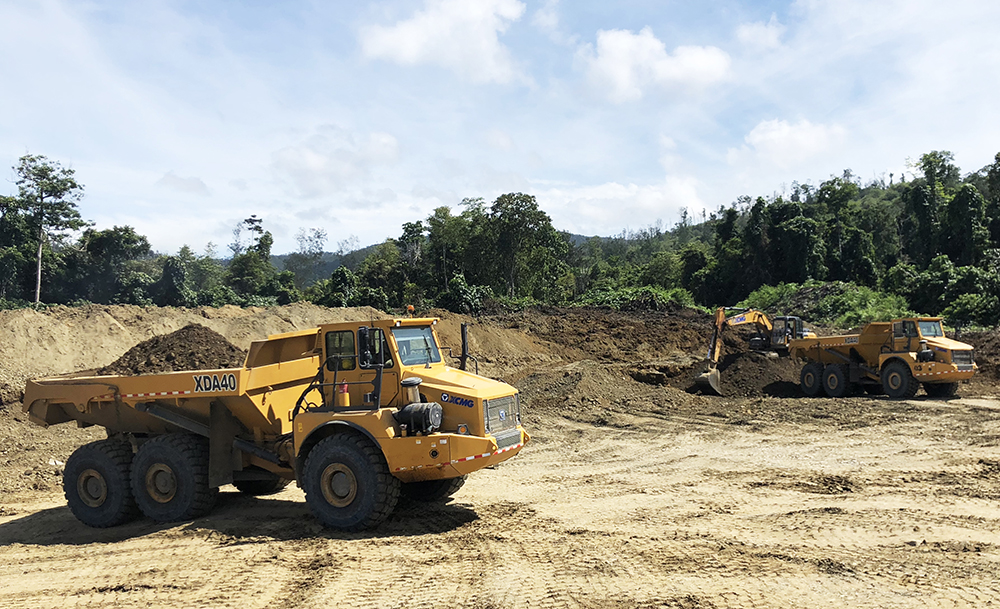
(810, 379)
(92, 488)
(895, 380)
(161, 483)
(339, 485)
(832, 382)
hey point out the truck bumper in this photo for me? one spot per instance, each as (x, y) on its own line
(444, 455)
(940, 372)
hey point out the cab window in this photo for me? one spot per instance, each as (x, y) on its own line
(910, 328)
(931, 329)
(416, 346)
(340, 350)
(380, 349)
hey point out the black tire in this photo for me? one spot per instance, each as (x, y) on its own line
(96, 483)
(811, 379)
(898, 381)
(432, 491)
(941, 390)
(835, 382)
(268, 485)
(170, 478)
(347, 483)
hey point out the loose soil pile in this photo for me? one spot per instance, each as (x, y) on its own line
(987, 346)
(193, 347)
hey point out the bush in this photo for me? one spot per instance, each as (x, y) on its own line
(646, 298)
(464, 298)
(837, 303)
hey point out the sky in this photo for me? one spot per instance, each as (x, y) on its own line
(183, 118)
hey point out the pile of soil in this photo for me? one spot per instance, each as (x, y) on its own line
(613, 336)
(987, 346)
(193, 347)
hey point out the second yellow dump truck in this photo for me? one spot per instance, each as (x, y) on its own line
(355, 413)
(894, 358)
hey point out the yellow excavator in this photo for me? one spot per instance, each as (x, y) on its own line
(772, 335)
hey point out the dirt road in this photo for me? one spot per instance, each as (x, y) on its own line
(631, 495)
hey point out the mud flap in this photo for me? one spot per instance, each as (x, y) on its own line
(222, 430)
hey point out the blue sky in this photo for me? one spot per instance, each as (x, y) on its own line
(182, 118)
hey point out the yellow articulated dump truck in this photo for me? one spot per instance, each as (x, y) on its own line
(894, 358)
(355, 413)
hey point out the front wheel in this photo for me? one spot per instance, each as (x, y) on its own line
(170, 478)
(96, 483)
(898, 381)
(432, 491)
(347, 483)
(941, 390)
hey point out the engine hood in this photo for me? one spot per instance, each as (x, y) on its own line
(947, 343)
(453, 380)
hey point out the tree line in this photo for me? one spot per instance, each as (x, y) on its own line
(932, 242)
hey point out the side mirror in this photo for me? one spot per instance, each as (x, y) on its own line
(364, 347)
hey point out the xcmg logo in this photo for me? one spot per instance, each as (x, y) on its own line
(454, 399)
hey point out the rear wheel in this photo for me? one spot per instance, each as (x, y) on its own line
(96, 483)
(811, 379)
(347, 483)
(898, 381)
(430, 491)
(835, 381)
(170, 478)
(941, 390)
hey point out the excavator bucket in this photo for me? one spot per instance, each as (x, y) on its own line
(710, 381)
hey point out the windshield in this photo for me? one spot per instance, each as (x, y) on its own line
(416, 346)
(930, 328)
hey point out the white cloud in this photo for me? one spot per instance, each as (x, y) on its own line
(626, 64)
(499, 140)
(608, 208)
(332, 158)
(760, 35)
(460, 35)
(783, 145)
(192, 185)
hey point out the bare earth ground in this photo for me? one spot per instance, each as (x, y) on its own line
(632, 494)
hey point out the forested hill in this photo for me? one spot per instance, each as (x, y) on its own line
(929, 245)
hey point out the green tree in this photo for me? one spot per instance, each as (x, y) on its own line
(304, 264)
(526, 245)
(965, 222)
(48, 193)
(383, 269)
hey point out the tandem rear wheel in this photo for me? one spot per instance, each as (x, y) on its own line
(170, 478)
(347, 483)
(96, 484)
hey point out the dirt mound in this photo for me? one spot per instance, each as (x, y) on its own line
(987, 346)
(605, 335)
(751, 374)
(193, 347)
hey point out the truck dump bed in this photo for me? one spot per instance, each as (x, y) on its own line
(275, 372)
